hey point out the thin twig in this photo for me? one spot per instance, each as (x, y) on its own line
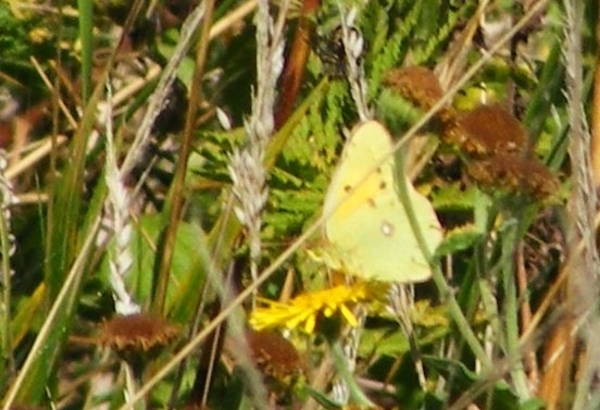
(177, 198)
(155, 105)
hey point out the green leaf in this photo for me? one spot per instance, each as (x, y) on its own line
(490, 393)
(459, 239)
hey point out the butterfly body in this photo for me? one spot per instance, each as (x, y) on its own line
(368, 230)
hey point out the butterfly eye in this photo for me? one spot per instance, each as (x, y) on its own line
(387, 229)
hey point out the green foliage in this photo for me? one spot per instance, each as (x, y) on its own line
(62, 290)
(463, 380)
(22, 38)
(459, 239)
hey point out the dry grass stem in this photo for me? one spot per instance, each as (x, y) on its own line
(247, 170)
(156, 101)
(116, 220)
(353, 47)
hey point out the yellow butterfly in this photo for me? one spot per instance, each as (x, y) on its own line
(368, 231)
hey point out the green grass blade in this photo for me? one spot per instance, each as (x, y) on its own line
(86, 26)
(30, 385)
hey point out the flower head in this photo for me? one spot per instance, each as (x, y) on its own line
(303, 310)
(275, 356)
(488, 130)
(417, 84)
(137, 337)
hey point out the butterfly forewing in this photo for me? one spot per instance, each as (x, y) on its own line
(368, 228)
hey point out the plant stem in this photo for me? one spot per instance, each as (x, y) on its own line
(511, 311)
(442, 286)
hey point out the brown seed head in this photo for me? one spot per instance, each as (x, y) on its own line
(139, 335)
(515, 174)
(417, 84)
(487, 130)
(274, 355)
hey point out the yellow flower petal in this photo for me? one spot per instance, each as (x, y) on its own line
(303, 310)
(349, 316)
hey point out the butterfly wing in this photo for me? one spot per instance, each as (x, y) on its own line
(369, 231)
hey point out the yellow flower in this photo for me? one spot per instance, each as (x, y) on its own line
(304, 309)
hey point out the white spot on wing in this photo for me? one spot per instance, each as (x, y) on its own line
(387, 229)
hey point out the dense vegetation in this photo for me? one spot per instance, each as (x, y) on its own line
(163, 171)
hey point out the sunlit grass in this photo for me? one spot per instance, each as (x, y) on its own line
(206, 201)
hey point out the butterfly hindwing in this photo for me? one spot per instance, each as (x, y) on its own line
(369, 230)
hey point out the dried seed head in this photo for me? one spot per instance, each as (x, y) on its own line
(487, 130)
(275, 356)
(137, 338)
(417, 84)
(515, 174)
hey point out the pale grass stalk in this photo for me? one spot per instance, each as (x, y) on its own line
(66, 112)
(7, 250)
(115, 224)
(29, 198)
(340, 391)
(130, 385)
(34, 157)
(30, 147)
(247, 170)
(116, 220)
(103, 383)
(353, 47)
(347, 382)
(583, 278)
(401, 301)
(131, 88)
(159, 96)
(234, 17)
